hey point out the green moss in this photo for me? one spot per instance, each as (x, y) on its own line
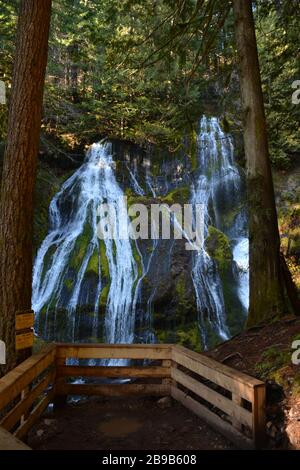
(184, 301)
(218, 247)
(180, 287)
(190, 337)
(228, 217)
(129, 193)
(93, 265)
(271, 361)
(166, 335)
(69, 284)
(235, 312)
(80, 247)
(226, 124)
(212, 338)
(161, 336)
(192, 150)
(103, 260)
(134, 199)
(103, 296)
(137, 260)
(179, 195)
(155, 169)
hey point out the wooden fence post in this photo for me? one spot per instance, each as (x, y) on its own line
(259, 416)
(167, 381)
(59, 400)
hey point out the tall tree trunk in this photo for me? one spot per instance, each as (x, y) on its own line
(266, 286)
(19, 168)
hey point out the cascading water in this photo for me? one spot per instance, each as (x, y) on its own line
(73, 236)
(114, 290)
(218, 183)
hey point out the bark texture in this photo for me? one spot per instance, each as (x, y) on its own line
(266, 287)
(19, 170)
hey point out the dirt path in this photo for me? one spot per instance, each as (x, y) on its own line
(127, 424)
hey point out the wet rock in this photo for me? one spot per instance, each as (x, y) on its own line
(164, 403)
(274, 392)
(50, 422)
(276, 433)
(40, 433)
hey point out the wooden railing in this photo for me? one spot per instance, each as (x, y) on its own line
(227, 399)
(231, 401)
(152, 379)
(26, 391)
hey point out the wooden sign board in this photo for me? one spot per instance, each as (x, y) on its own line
(24, 340)
(24, 320)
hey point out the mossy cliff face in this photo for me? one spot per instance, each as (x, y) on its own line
(167, 294)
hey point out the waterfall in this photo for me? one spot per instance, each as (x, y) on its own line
(217, 185)
(73, 235)
(110, 290)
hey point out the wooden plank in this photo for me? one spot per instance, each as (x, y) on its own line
(10, 442)
(259, 416)
(212, 419)
(213, 397)
(24, 320)
(114, 351)
(216, 372)
(12, 384)
(117, 345)
(114, 390)
(166, 363)
(24, 340)
(34, 415)
(236, 423)
(234, 374)
(15, 413)
(24, 394)
(59, 401)
(98, 371)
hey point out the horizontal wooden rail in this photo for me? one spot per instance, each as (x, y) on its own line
(114, 390)
(229, 400)
(26, 391)
(114, 351)
(113, 371)
(12, 384)
(157, 377)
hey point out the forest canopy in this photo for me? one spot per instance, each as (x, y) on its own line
(146, 72)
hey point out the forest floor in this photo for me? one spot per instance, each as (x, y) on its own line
(124, 424)
(266, 352)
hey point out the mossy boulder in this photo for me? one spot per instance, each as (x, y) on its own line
(218, 247)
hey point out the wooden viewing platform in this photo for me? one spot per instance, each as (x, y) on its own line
(230, 401)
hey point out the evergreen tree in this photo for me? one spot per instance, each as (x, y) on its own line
(19, 169)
